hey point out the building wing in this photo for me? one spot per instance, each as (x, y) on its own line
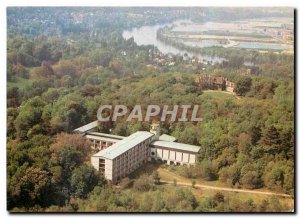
(124, 145)
(88, 127)
(176, 146)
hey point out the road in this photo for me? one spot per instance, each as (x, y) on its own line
(226, 189)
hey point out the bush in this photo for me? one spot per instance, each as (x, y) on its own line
(126, 183)
(142, 184)
(251, 180)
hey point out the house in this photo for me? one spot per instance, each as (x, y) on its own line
(214, 83)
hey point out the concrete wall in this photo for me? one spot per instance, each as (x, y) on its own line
(108, 169)
(168, 155)
(125, 163)
(185, 157)
(165, 154)
(229, 89)
(159, 153)
(95, 162)
(192, 158)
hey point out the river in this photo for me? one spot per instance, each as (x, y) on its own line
(146, 35)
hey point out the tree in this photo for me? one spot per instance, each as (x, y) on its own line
(45, 71)
(13, 97)
(76, 141)
(68, 158)
(142, 184)
(125, 183)
(83, 180)
(31, 188)
(230, 175)
(102, 58)
(236, 61)
(208, 170)
(219, 197)
(271, 140)
(116, 67)
(90, 90)
(30, 115)
(180, 200)
(274, 176)
(19, 71)
(271, 136)
(251, 180)
(243, 86)
(255, 134)
(42, 53)
(65, 67)
(68, 113)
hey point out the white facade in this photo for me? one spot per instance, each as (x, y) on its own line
(173, 153)
(119, 156)
(123, 157)
(170, 156)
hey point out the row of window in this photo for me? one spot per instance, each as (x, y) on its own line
(130, 160)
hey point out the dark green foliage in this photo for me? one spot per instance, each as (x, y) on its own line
(83, 180)
(243, 86)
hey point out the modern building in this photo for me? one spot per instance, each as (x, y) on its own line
(119, 156)
(173, 152)
(102, 140)
(123, 157)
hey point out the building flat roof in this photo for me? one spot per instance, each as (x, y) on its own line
(177, 146)
(106, 135)
(99, 138)
(124, 145)
(87, 127)
(165, 137)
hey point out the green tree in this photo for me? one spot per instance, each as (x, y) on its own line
(243, 86)
(32, 187)
(251, 180)
(83, 180)
(142, 184)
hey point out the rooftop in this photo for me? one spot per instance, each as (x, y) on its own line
(124, 145)
(87, 127)
(176, 145)
(165, 137)
(99, 138)
(104, 135)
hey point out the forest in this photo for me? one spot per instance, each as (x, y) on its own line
(59, 75)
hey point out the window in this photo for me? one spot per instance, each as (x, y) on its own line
(152, 153)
